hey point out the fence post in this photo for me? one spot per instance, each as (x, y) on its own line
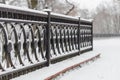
(48, 38)
(78, 35)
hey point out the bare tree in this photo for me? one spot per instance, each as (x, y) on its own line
(54, 5)
(71, 9)
(107, 19)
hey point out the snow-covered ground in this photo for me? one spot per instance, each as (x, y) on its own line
(105, 68)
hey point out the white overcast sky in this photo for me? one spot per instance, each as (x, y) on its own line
(89, 4)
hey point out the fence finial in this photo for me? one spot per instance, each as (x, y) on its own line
(47, 9)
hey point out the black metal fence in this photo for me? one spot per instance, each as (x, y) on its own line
(33, 38)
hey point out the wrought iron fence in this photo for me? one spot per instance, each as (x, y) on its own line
(31, 37)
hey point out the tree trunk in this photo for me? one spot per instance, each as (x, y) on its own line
(32, 4)
(2, 1)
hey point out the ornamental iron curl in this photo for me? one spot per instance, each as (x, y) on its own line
(38, 38)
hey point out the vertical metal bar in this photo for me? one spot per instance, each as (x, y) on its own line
(53, 42)
(75, 38)
(26, 44)
(85, 36)
(92, 35)
(61, 40)
(69, 44)
(78, 34)
(48, 39)
(65, 39)
(40, 43)
(71, 34)
(57, 40)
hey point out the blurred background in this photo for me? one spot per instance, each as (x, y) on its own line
(105, 13)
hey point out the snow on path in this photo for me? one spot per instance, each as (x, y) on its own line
(105, 68)
(45, 72)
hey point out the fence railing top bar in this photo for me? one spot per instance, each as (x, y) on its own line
(82, 25)
(57, 23)
(21, 21)
(61, 16)
(89, 20)
(86, 21)
(19, 9)
(55, 17)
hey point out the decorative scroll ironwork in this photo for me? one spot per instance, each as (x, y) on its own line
(23, 38)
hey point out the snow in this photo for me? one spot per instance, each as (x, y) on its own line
(70, 17)
(105, 68)
(45, 72)
(64, 16)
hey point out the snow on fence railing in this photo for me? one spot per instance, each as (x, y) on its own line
(30, 39)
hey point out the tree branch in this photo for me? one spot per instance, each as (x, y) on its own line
(73, 6)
